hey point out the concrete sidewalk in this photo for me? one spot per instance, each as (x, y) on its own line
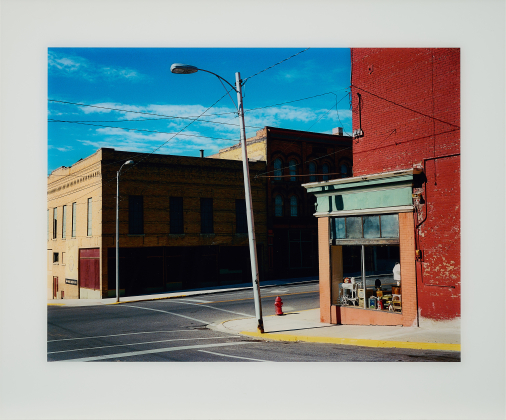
(306, 326)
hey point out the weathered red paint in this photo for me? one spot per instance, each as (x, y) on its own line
(89, 268)
(410, 115)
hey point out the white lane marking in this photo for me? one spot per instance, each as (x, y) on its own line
(278, 291)
(116, 335)
(197, 300)
(218, 309)
(140, 353)
(234, 357)
(135, 344)
(167, 312)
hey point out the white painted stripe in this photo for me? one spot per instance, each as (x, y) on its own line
(196, 300)
(152, 351)
(234, 357)
(218, 309)
(138, 344)
(118, 335)
(167, 312)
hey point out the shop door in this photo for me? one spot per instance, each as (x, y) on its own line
(89, 268)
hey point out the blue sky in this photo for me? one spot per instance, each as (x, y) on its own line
(116, 80)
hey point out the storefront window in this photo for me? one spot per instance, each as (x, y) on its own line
(353, 227)
(371, 227)
(390, 225)
(375, 265)
(384, 226)
(369, 248)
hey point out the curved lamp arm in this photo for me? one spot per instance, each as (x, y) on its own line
(179, 68)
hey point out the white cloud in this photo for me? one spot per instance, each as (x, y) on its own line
(75, 66)
(61, 148)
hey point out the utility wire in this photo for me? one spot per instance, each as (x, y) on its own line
(405, 107)
(293, 142)
(274, 65)
(135, 129)
(148, 155)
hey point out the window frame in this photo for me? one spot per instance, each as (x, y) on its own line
(176, 215)
(206, 216)
(362, 240)
(89, 224)
(312, 168)
(278, 205)
(55, 222)
(278, 169)
(292, 168)
(294, 204)
(241, 218)
(64, 222)
(74, 220)
(136, 215)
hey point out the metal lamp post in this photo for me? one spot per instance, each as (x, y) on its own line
(128, 162)
(179, 68)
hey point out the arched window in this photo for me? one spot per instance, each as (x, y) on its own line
(325, 170)
(277, 169)
(293, 169)
(278, 206)
(293, 206)
(344, 171)
(312, 172)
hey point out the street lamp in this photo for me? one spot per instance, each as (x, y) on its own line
(179, 68)
(128, 162)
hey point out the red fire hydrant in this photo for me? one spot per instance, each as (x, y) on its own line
(278, 303)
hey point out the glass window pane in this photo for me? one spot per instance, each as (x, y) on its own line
(312, 171)
(325, 170)
(354, 227)
(293, 206)
(277, 169)
(389, 225)
(293, 169)
(278, 206)
(371, 227)
(339, 230)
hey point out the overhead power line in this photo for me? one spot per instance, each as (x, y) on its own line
(137, 129)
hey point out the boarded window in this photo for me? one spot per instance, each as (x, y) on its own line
(206, 215)
(240, 216)
(135, 214)
(176, 215)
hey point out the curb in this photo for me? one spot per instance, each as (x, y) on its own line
(194, 293)
(355, 341)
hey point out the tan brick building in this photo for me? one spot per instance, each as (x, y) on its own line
(182, 224)
(293, 158)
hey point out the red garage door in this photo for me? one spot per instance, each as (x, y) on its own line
(89, 268)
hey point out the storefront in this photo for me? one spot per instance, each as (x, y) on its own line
(366, 249)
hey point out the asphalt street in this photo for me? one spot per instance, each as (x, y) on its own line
(176, 330)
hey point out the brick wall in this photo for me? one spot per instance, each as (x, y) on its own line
(410, 114)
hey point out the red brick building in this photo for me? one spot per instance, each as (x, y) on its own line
(406, 165)
(294, 157)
